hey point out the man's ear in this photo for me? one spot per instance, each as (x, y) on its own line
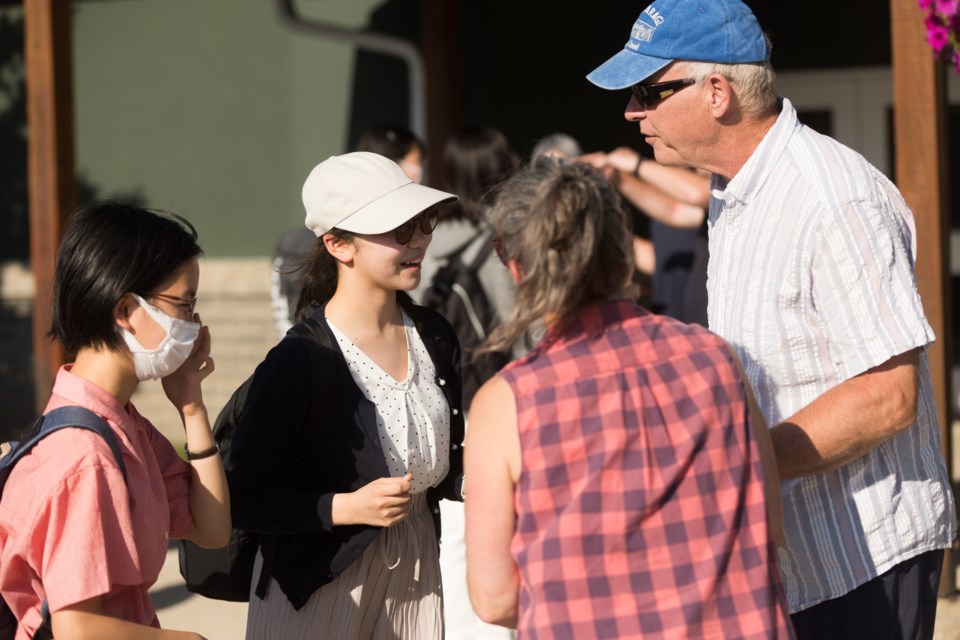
(720, 95)
(340, 248)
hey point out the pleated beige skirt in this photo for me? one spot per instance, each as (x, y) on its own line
(391, 592)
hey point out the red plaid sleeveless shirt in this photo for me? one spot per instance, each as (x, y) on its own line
(640, 504)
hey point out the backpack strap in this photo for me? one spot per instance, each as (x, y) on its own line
(85, 419)
(63, 418)
(311, 332)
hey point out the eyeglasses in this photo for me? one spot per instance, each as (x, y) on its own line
(427, 221)
(648, 95)
(187, 304)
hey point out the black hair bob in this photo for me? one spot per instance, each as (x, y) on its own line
(110, 249)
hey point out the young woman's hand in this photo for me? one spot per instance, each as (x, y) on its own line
(381, 503)
(183, 385)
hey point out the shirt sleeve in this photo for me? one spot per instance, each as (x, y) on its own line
(82, 539)
(865, 289)
(263, 495)
(176, 480)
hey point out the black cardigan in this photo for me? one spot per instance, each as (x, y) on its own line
(282, 477)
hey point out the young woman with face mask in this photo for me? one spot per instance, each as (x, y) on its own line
(347, 509)
(75, 531)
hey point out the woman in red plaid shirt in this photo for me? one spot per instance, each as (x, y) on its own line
(616, 474)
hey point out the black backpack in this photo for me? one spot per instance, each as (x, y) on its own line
(226, 573)
(44, 425)
(456, 292)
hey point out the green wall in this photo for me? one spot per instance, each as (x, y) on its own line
(211, 109)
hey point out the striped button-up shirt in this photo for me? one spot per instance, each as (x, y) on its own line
(811, 279)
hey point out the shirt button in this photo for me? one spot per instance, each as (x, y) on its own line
(456, 412)
(455, 446)
(442, 382)
(436, 510)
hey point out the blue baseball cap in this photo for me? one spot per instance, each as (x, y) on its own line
(723, 31)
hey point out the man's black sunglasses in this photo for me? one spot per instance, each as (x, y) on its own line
(648, 95)
(426, 220)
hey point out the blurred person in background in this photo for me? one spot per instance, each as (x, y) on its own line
(675, 199)
(556, 145)
(476, 161)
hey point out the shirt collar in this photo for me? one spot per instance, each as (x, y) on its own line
(748, 181)
(591, 320)
(70, 389)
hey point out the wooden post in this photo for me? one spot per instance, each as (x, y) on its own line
(48, 44)
(440, 45)
(919, 99)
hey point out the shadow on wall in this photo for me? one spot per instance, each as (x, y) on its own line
(380, 82)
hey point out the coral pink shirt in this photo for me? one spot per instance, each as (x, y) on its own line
(72, 529)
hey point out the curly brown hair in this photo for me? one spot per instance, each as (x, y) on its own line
(564, 225)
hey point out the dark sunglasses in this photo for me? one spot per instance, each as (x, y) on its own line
(427, 221)
(648, 95)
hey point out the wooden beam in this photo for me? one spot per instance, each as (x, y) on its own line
(919, 99)
(440, 45)
(48, 44)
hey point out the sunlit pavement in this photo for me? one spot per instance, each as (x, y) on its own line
(217, 620)
(179, 609)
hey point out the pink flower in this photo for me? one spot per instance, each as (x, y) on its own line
(937, 37)
(946, 7)
(942, 22)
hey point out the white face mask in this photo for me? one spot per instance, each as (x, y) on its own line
(172, 351)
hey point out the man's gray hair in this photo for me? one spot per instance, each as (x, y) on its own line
(755, 82)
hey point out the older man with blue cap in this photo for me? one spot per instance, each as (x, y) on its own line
(811, 280)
